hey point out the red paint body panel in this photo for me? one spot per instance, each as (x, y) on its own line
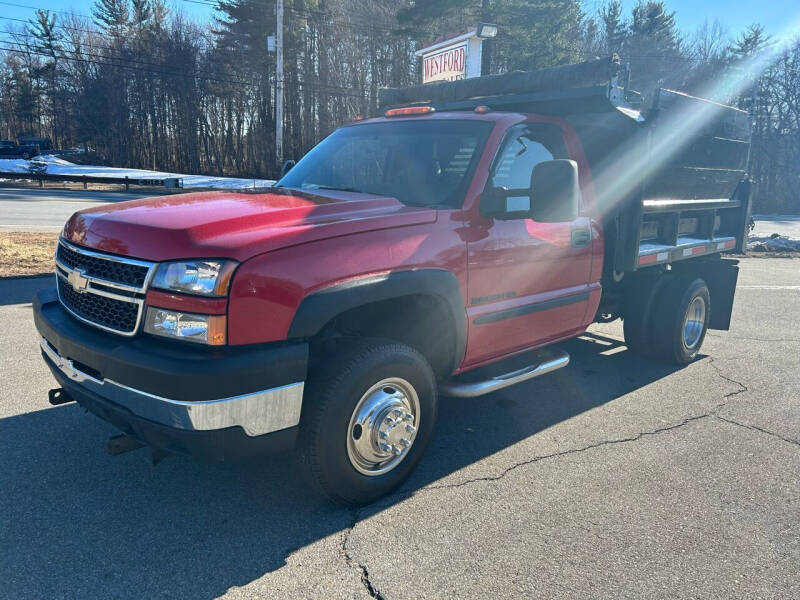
(233, 225)
(268, 289)
(534, 262)
(291, 244)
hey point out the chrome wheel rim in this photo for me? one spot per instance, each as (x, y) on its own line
(694, 322)
(383, 426)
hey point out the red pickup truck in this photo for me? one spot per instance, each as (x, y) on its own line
(406, 256)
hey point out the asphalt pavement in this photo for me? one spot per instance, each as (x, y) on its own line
(48, 209)
(612, 478)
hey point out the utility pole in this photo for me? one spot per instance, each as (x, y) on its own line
(279, 86)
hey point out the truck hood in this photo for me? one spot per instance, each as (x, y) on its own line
(237, 225)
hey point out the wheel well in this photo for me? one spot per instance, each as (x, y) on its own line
(421, 321)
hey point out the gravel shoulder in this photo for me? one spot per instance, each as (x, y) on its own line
(26, 253)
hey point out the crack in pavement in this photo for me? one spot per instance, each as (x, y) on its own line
(742, 388)
(361, 567)
(760, 429)
(535, 459)
(393, 498)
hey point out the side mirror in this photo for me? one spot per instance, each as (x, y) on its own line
(287, 166)
(555, 191)
(505, 204)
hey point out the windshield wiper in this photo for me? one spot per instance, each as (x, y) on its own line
(338, 189)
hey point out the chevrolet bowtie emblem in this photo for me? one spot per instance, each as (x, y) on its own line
(78, 281)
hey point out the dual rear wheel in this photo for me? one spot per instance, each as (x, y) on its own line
(670, 323)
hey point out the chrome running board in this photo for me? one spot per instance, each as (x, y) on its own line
(479, 388)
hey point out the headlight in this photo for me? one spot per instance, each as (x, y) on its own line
(204, 329)
(202, 277)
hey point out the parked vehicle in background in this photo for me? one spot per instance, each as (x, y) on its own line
(35, 145)
(10, 149)
(443, 246)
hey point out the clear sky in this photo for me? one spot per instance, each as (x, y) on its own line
(775, 15)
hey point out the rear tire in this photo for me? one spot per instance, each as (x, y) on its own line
(680, 319)
(637, 318)
(368, 416)
(635, 327)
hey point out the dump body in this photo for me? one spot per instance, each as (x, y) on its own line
(668, 170)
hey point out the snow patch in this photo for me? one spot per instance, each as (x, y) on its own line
(58, 166)
(773, 243)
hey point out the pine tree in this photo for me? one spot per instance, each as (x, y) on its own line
(44, 30)
(48, 42)
(653, 47)
(613, 26)
(142, 12)
(112, 16)
(750, 42)
(654, 26)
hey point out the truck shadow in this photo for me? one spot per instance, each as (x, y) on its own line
(21, 290)
(79, 523)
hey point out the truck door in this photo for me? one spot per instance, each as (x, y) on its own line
(528, 282)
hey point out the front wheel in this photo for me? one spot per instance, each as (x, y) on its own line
(367, 419)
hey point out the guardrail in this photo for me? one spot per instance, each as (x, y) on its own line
(167, 182)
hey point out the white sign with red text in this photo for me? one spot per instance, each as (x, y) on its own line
(446, 65)
(452, 59)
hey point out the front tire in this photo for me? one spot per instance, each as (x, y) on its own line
(367, 419)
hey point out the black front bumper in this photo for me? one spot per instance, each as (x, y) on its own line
(174, 370)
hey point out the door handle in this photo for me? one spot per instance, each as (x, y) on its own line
(580, 238)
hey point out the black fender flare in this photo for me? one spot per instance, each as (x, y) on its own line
(319, 307)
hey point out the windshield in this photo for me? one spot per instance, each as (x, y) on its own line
(424, 162)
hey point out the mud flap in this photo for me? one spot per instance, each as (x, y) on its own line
(721, 276)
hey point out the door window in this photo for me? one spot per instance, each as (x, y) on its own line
(524, 148)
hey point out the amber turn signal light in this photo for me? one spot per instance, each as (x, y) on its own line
(409, 110)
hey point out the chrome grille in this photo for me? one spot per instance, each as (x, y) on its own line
(103, 268)
(103, 290)
(99, 310)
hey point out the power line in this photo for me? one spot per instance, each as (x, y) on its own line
(61, 12)
(351, 22)
(307, 12)
(212, 4)
(109, 62)
(37, 50)
(322, 89)
(160, 68)
(57, 25)
(76, 48)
